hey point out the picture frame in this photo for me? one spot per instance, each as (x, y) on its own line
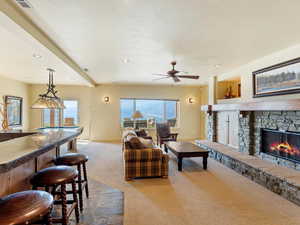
(14, 110)
(280, 79)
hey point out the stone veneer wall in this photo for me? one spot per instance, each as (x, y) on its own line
(246, 137)
(250, 125)
(212, 127)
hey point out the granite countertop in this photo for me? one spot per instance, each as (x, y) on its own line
(17, 151)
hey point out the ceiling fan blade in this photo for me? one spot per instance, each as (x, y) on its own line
(176, 79)
(159, 78)
(185, 72)
(189, 76)
(158, 74)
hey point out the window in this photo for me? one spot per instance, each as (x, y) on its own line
(70, 113)
(127, 108)
(51, 118)
(67, 117)
(153, 111)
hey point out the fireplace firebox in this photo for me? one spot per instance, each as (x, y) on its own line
(283, 144)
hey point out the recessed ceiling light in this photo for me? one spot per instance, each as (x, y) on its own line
(126, 60)
(217, 66)
(37, 56)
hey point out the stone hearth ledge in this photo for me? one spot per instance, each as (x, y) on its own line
(281, 180)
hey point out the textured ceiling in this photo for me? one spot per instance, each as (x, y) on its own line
(199, 34)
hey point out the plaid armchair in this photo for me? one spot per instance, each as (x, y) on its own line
(146, 162)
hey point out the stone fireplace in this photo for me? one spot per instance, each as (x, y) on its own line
(253, 126)
(267, 149)
(250, 127)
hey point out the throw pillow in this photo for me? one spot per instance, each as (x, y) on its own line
(128, 133)
(147, 143)
(141, 133)
(135, 142)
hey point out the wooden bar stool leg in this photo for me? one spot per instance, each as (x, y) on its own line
(86, 180)
(80, 187)
(49, 218)
(75, 199)
(53, 190)
(64, 204)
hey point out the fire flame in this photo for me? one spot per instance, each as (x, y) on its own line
(285, 147)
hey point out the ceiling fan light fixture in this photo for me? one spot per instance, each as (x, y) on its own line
(175, 74)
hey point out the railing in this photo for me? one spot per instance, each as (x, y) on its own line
(146, 124)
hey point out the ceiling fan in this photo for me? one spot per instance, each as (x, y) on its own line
(173, 74)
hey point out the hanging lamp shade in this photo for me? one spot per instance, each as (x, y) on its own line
(40, 103)
(47, 103)
(49, 100)
(137, 115)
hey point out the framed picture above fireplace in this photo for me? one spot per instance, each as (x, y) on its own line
(279, 79)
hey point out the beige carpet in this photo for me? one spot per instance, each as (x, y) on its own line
(218, 196)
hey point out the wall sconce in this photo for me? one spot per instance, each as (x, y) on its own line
(191, 100)
(106, 99)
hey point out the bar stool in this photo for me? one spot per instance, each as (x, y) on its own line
(26, 207)
(54, 180)
(79, 160)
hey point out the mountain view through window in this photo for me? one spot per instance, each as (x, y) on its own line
(153, 111)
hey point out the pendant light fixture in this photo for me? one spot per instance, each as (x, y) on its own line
(49, 100)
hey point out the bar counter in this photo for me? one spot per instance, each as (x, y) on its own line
(22, 156)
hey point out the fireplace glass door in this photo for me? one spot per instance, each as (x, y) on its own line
(282, 144)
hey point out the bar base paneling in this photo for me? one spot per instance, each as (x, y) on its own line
(18, 179)
(46, 160)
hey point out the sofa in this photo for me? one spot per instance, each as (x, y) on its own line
(142, 158)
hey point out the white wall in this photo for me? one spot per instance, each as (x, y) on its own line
(102, 121)
(245, 72)
(16, 88)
